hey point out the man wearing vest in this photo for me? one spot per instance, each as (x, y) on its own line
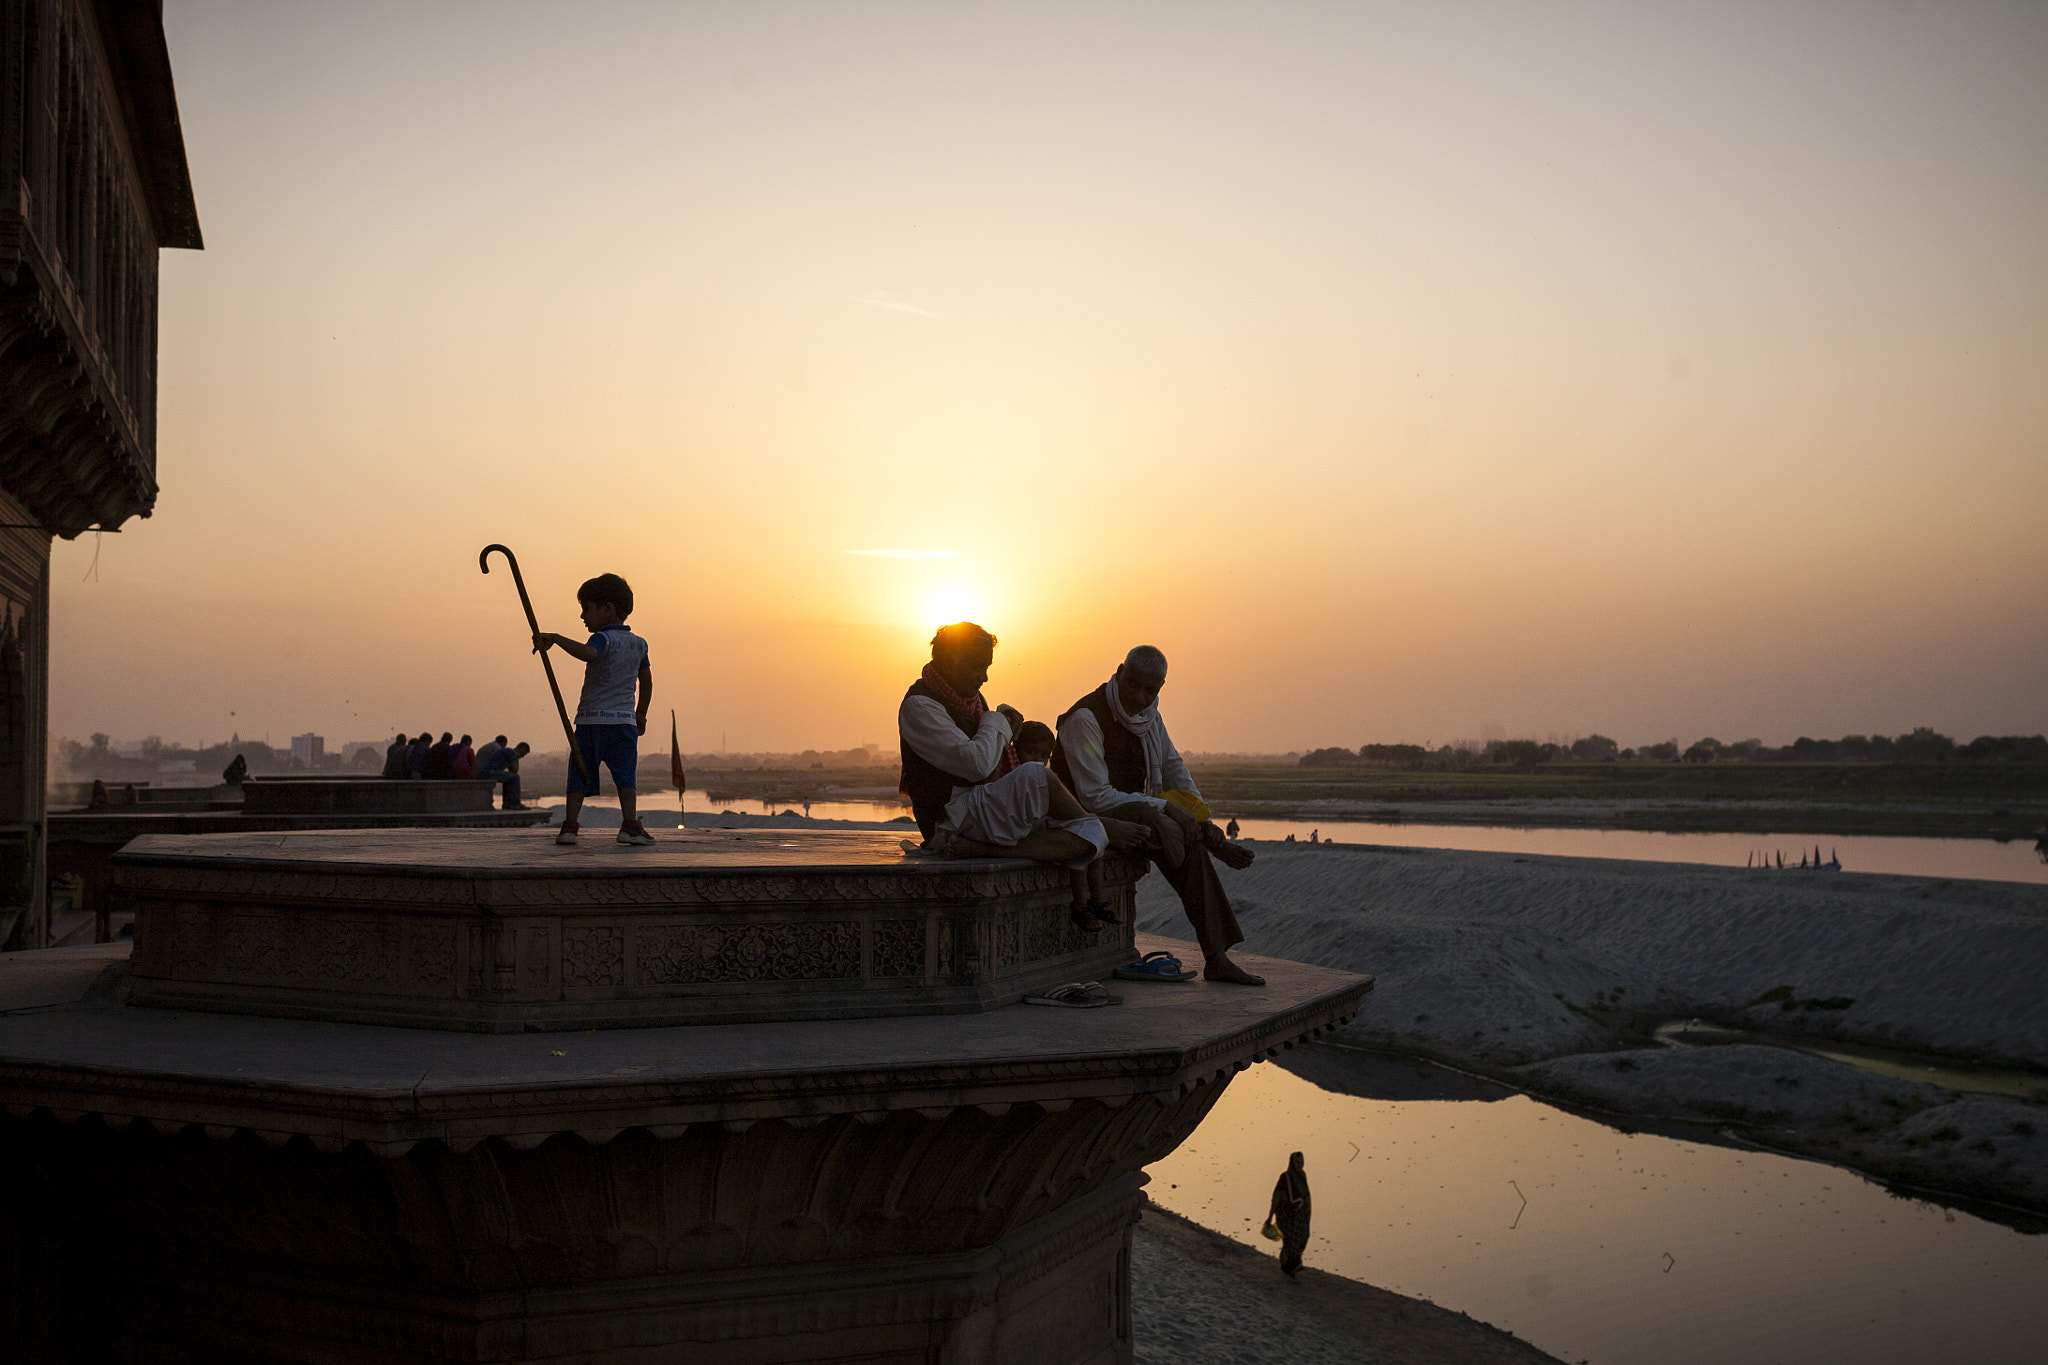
(1115, 756)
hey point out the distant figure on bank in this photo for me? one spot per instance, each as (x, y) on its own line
(485, 750)
(416, 758)
(1115, 755)
(609, 723)
(236, 772)
(1312, 836)
(1230, 830)
(501, 765)
(437, 757)
(462, 760)
(1290, 1211)
(395, 757)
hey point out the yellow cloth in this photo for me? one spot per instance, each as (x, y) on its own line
(1187, 801)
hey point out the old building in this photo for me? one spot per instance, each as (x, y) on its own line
(93, 183)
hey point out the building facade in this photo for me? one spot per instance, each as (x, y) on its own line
(93, 183)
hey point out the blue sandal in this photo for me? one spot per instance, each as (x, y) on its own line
(1155, 966)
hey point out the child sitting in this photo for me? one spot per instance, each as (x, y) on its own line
(1010, 817)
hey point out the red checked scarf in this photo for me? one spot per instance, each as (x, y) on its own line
(973, 708)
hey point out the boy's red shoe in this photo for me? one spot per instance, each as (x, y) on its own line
(635, 833)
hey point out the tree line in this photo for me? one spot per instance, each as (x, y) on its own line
(1922, 745)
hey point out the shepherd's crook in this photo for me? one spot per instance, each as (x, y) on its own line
(483, 561)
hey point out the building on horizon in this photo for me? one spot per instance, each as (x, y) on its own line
(309, 750)
(93, 160)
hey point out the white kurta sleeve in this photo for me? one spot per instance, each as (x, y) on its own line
(1173, 772)
(931, 734)
(1081, 737)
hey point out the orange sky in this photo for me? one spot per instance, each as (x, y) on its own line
(1402, 371)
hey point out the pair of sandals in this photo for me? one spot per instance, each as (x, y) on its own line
(1089, 995)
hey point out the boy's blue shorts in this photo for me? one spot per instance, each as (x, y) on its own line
(615, 746)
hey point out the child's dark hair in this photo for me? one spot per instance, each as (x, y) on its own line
(608, 587)
(1035, 734)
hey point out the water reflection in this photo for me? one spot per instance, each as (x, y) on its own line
(1629, 1247)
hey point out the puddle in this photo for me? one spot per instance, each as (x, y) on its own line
(1601, 1246)
(1905, 1066)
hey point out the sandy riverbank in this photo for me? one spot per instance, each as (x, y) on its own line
(1550, 972)
(1198, 1298)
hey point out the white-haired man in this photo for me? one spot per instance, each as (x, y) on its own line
(1115, 756)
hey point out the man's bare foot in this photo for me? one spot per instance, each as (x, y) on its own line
(1221, 968)
(1231, 855)
(1127, 833)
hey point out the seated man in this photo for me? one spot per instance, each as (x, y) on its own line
(970, 796)
(502, 767)
(1114, 754)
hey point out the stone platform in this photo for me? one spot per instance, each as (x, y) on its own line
(923, 1188)
(505, 931)
(364, 796)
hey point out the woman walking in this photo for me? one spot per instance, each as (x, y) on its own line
(1290, 1213)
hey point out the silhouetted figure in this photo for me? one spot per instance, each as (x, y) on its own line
(1115, 755)
(236, 772)
(501, 765)
(462, 760)
(1290, 1212)
(1312, 836)
(395, 757)
(485, 750)
(416, 757)
(437, 757)
(1230, 830)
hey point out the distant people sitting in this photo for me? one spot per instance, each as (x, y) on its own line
(416, 757)
(485, 750)
(437, 757)
(970, 790)
(236, 772)
(395, 757)
(501, 765)
(462, 760)
(1115, 755)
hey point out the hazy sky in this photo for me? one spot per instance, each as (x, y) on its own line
(1401, 370)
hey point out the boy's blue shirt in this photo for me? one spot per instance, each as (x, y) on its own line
(610, 681)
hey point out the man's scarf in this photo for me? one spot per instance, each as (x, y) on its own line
(1145, 725)
(973, 708)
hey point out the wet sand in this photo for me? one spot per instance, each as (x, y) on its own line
(1198, 1298)
(1552, 974)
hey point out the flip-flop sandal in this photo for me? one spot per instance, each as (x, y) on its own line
(1075, 995)
(1155, 966)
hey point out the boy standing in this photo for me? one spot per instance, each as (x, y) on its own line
(608, 720)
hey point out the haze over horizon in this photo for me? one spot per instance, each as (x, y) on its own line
(1404, 372)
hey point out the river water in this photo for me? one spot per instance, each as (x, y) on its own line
(1607, 1247)
(1986, 859)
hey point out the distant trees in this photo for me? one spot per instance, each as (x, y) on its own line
(1922, 745)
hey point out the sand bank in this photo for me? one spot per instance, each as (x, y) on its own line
(1501, 962)
(1198, 1298)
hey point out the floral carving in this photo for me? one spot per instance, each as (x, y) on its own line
(537, 963)
(899, 947)
(249, 946)
(594, 955)
(678, 954)
(1007, 954)
(433, 956)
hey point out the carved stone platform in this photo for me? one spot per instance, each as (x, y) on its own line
(364, 796)
(504, 931)
(924, 1189)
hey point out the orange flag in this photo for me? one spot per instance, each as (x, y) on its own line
(675, 761)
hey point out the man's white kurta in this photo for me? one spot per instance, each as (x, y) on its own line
(1081, 737)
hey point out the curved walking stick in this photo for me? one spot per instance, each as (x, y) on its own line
(483, 561)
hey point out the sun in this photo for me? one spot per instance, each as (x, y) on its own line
(950, 602)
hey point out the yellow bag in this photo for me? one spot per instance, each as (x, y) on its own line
(1190, 803)
(1271, 1232)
